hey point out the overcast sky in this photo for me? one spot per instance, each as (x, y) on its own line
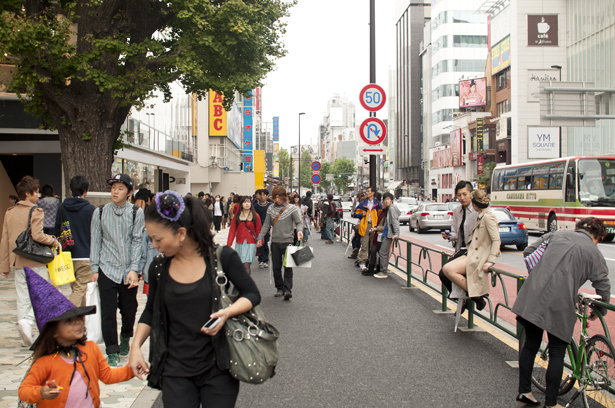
(328, 53)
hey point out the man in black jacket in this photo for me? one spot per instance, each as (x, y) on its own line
(261, 207)
(77, 211)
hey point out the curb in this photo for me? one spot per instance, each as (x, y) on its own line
(148, 398)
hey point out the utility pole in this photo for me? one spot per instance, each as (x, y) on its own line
(372, 79)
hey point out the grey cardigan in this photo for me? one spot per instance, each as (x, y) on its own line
(393, 221)
(549, 295)
(285, 226)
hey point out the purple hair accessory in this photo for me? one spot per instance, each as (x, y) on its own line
(170, 205)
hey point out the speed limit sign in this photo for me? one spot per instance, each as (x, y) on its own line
(372, 97)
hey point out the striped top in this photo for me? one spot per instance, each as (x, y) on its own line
(116, 246)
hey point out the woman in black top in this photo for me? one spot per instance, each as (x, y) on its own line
(180, 301)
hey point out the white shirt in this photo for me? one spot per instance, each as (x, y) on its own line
(217, 209)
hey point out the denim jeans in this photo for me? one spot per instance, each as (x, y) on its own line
(331, 228)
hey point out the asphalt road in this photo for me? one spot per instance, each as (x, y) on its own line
(349, 340)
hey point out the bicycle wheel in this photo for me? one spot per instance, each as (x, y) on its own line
(539, 373)
(598, 376)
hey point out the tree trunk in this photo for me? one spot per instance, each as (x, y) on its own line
(88, 124)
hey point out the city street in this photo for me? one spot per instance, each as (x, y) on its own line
(510, 255)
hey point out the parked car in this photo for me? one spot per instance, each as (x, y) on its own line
(431, 216)
(412, 202)
(346, 203)
(512, 231)
(405, 212)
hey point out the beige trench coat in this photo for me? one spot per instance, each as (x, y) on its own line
(484, 247)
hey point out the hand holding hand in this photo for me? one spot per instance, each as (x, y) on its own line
(132, 280)
(259, 243)
(222, 314)
(137, 363)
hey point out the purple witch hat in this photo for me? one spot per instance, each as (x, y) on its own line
(49, 304)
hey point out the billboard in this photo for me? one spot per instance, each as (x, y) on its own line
(276, 128)
(473, 92)
(500, 55)
(336, 117)
(247, 134)
(217, 115)
(441, 157)
(456, 148)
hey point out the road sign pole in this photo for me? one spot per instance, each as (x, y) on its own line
(372, 77)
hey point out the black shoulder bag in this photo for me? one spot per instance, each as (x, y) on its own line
(30, 249)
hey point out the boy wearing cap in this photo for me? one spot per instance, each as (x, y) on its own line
(114, 256)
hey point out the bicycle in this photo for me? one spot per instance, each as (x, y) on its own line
(591, 363)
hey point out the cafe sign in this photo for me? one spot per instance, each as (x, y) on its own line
(542, 30)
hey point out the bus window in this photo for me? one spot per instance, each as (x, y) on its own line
(524, 181)
(571, 188)
(510, 179)
(556, 176)
(596, 182)
(540, 177)
(498, 180)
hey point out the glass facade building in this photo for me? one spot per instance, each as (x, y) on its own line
(591, 58)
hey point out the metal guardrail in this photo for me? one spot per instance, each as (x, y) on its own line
(424, 263)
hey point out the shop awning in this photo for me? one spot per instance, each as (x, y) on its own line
(394, 184)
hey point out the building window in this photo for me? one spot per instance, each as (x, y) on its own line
(457, 66)
(456, 41)
(444, 91)
(503, 107)
(444, 115)
(502, 80)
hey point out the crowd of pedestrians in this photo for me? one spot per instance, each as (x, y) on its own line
(119, 243)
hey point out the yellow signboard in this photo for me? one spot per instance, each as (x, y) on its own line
(259, 161)
(217, 115)
(500, 55)
(276, 148)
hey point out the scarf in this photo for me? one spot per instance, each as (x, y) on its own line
(76, 354)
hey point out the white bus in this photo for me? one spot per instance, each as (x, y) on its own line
(553, 194)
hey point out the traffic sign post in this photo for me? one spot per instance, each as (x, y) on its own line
(372, 97)
(316, 165)
(373, 131)
(315, 178)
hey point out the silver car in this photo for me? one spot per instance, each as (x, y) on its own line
(405, 212)
(431, 216)
(346, 203)
(412, 202)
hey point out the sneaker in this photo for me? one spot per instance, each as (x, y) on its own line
(380, 275)
(124, 346)
(328, 242)
(363, 267)
(279, 293)
(265, 264)
(288, 295)
(25, 331)
(367, 272)
(113, 360)
(261, 265)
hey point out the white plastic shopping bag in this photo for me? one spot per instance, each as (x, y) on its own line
(289, 262)
(93, 322)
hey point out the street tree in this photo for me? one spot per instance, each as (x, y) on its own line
(325, 168)
(343, 169)
(306, 169)
(287, 167)
(81, 65)
(485, 177)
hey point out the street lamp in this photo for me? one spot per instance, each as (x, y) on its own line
(302, 113)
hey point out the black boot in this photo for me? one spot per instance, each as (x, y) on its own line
(480, 302)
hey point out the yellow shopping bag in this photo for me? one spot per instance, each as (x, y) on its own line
(61, 270)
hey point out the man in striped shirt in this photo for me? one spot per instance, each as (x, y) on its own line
(114, 255)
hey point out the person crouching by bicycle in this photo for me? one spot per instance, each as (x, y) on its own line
(546, 301)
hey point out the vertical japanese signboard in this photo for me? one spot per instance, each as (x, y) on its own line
(480, 162)
(276, 128)
(247, 134)
(479, 135)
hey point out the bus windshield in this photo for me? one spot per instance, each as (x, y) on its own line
(597, 182)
